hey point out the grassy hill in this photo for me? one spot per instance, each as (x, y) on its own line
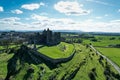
(84, 64)
(61, 50)
(4, 57)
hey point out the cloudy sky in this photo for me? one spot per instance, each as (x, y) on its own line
(84, 15)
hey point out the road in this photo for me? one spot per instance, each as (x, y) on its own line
(111, 62)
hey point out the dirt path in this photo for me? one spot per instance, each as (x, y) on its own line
(110, 61)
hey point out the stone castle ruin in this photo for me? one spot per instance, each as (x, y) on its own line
(51, 38)
(47, 37)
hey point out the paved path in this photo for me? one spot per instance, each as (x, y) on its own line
(111, 62)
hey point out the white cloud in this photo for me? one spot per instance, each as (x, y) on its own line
(53, 23)
(98, 17)
(106, 15)
(118, 10)
(115, 21)
(100, 2)
(9, 20)
(32, 6)
(17, 11)
(42, 4)
(1, 9)
(38, 17)
(71, 8)
(27, 18)
(69, 24)
(12, 23)
(43, 22)
(45, 18)
(110, 26)
(51, 20)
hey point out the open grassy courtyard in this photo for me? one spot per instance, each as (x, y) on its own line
(61, 50)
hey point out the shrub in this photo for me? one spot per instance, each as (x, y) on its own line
(112, 38)
(114, 45)
(30, 70)
(92, 76)
(94, 40)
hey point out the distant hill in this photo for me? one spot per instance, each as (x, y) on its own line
(67, 31)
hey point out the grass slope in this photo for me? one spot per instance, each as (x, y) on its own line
(112, 53)
(58, 51)
(64, 70)
(71, 69)
(4, 57)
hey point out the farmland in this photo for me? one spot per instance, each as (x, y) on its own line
(111, 53)
(103, 45)
(103, 40)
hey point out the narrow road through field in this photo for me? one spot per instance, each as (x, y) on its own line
(111, 62)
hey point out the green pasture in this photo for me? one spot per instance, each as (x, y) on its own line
(111, 53)
(9, 46)
(103, 41)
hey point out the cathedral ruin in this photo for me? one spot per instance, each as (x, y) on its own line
(47, 37)
(51, 38)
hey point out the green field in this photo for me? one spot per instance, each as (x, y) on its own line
(103, 40)
(102, 45)
(1, 47)
(61, 50)
(111, 53)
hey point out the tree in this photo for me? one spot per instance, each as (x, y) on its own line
(5, 43)
(112, 38)
(94, 40)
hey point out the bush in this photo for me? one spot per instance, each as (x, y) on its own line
(118, 45)
(119, 38)
(30, 70)
(114, 45)
(112, 38)
(94, 40)
(92, 76)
